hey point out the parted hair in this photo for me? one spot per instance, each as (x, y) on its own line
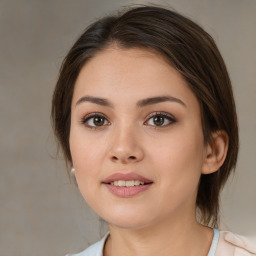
(191, 51)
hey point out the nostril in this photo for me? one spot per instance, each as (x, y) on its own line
(115, 158)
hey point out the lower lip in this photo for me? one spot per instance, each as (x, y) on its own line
(127, 191)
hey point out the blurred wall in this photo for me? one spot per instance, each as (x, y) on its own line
(41, 212)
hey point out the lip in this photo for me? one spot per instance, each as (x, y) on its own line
(126, 177)
(126, 192)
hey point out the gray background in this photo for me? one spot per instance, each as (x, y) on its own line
(41, 212)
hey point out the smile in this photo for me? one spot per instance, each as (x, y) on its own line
(127, 185)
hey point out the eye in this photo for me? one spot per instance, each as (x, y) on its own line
(95, 120)
(160, 119)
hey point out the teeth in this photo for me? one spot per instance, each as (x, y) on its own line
(120, 183)
(137, 183)
(128, 183)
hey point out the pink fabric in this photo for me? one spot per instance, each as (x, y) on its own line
(231, 244)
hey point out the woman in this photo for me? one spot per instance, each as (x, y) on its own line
(144, 112)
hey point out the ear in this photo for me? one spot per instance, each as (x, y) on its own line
(216, 152)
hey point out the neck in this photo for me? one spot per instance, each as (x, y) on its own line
(170, 237)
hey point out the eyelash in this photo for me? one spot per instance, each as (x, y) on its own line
(87, 118)
(164, 115)
(167, 116)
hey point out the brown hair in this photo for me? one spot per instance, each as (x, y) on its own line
(191, 51)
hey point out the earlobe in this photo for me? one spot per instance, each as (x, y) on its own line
(216, 152)
(72, 171)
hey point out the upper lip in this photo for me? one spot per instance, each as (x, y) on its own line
(126, 177)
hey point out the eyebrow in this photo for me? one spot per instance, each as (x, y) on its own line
(159, 99)
(96, 100)
(140, 103)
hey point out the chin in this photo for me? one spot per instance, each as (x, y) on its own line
(127, 219)
(129, 224)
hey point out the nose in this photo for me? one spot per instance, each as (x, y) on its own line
(126, 146)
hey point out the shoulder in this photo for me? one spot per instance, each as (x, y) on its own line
(93, 250)
(231, 244)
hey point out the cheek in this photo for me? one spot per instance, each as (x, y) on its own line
(178, 166)
(84, 148)
(84, 155)
(179, 159)
(183, 146)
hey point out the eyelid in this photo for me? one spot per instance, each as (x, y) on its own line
(87, 117)
(170, 117)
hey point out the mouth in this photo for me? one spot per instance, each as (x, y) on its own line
(127, 185)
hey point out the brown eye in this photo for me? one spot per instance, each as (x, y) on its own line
(94, 121)
(98, 120)
(160, 120)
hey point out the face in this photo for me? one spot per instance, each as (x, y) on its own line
(136, 138)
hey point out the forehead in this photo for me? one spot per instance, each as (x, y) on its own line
(116, 72)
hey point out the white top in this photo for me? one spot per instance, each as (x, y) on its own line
(224, 243)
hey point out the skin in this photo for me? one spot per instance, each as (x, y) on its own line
(172, 155)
